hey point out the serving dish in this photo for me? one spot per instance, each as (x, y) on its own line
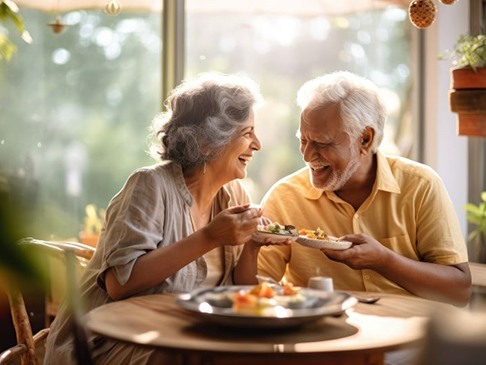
(214, 305)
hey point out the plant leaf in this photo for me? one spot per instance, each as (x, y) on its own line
(7, 48)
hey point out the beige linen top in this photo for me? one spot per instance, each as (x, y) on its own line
(152, 210)
(408, 211)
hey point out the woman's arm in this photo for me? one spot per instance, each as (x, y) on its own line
(231, 226)
(157, 265)
(245, 270)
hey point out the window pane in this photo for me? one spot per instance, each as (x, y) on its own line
(281, 52)
(75, 108)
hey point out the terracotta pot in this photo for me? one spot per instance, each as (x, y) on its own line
(472, 101)
(473, 125)
(468, 99)
(467, 78)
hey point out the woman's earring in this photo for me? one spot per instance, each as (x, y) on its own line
(204, 169)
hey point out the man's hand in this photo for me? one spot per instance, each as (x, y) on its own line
(366, 252)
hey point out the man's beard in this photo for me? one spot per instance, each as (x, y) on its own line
(337, 179)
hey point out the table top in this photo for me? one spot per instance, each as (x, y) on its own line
(157, 320)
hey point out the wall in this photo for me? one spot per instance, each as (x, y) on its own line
(444, 150)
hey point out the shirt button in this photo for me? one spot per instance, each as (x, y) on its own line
(356, 216)
(366, 276)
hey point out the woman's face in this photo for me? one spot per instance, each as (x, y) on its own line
(231, 163)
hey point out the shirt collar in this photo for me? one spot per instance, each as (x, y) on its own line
(223, 195)
(384, 181)
(180, 182)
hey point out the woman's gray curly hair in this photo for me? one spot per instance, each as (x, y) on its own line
(202, 116)
(361, 104)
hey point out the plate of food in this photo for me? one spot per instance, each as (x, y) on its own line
(274, 232)
(319, 239)
(264, 305)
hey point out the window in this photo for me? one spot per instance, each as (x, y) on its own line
(75, 106)
(282, 51)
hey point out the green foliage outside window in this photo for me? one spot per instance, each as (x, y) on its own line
(75, 106)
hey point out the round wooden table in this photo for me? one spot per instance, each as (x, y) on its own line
(360, 336)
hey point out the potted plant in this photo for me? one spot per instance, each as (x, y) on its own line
(9, 12)
(467, 97)
(476, 215)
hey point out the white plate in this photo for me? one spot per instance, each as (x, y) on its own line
(330, 244)
(201, 303)
(260, 236)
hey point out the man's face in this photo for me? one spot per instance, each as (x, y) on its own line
(333, 158)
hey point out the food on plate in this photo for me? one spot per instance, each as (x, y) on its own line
(319, 239)
(289, 289)
(245, 303)
(317, 234)
(274, 232)
(264, 299)
(262, 290)
(278, 228)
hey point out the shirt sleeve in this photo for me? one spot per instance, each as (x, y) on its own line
(439, 235)
(134, 224)
(272, 260)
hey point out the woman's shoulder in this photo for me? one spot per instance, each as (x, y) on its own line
(159, 177)
(158, 168)
(160, 171)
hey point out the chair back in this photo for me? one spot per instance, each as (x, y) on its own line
(72, 256)
(26, 341)
(478, 276)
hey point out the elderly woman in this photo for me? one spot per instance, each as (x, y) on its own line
(183, 223)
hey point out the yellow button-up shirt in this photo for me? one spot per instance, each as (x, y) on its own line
(408, 211)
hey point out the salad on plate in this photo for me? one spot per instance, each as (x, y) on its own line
(274, 232)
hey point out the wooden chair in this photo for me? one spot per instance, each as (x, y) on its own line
(26, 341)
(478, 279)
(56, 262)
(72, 254)
(478, 274)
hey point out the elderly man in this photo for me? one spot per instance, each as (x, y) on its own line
(397, 213)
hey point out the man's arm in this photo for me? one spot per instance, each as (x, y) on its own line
(447, 283)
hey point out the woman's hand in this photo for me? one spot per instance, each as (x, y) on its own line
(233, 226)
